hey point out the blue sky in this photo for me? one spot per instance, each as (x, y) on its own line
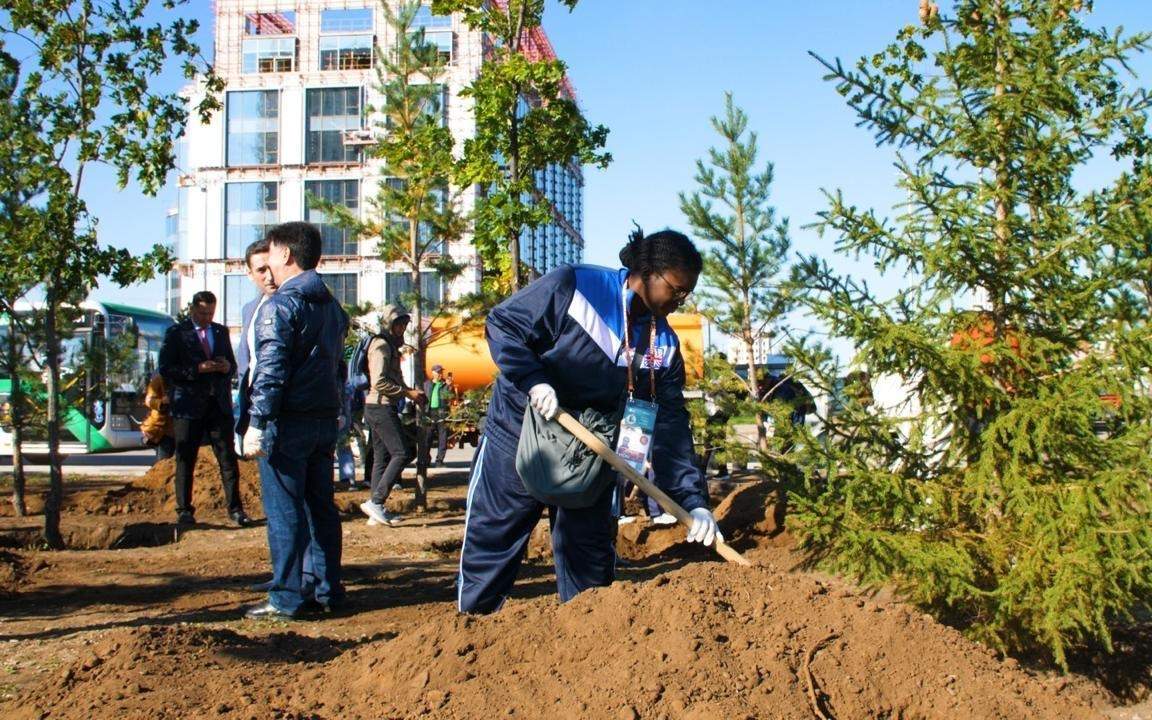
(654, 71)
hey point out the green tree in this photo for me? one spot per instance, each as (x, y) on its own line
(413, 214)
(987, 497)
(526, 120)
(85, 87)
(415, 208)
(21, 221)
(748, 245)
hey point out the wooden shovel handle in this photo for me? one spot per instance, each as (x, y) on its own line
(612, 458)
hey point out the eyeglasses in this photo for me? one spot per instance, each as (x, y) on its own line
(678, 292)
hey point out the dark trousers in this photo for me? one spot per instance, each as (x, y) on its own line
(166, 448)
(190, 434)
(439, 430)
(650, 506)
(390, 449)
(303, 522)
(500, 518)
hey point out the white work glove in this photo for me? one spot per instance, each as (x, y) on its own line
(704, 529)
(543, 398)
(253, 445)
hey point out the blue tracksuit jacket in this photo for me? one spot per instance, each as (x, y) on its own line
(566, 329)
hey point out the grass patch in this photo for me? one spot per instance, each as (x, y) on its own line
(38, 481)
(32, 481)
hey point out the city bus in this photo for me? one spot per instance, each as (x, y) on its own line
(108, 353)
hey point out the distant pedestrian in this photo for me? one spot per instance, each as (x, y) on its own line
(296, 397)
(158, 429)
(197, 363)
(391, 448)
(345, 460)
(439, 394)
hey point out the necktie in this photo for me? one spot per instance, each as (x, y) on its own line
(202, 333)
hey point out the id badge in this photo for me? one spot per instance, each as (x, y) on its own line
(636, 429)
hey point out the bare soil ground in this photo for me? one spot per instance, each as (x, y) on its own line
(155, 629)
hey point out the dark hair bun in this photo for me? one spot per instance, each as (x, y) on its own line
(660, 251)
(628, 252)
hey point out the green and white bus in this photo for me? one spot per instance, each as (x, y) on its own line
(106, 359)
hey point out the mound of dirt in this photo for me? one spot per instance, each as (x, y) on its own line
(154, 492)
(138, 673)
(707, 641)
(13, 568)
(750, 516)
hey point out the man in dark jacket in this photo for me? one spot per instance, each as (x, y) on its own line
(196, 361)
(295, 403)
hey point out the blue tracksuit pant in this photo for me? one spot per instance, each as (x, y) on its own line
(500, 518)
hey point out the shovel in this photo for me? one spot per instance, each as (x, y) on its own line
(670, 506)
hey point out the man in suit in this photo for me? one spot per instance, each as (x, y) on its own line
(196, 361)
(256, 258)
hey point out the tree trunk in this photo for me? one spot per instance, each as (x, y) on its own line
(55, 476)
(16, 403)
(753, 381)
(1002, 231)
(517, 30)
(418, 364)
(514, 179)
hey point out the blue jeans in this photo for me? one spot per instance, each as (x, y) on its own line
(346, 460)
(296, 485)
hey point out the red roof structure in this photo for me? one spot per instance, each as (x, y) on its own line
(535, 45)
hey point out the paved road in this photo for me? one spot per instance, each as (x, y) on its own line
(136, 462)
(130, 462)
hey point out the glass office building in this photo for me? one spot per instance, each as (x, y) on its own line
(299, 108)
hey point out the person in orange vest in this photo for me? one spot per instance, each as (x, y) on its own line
(158, 429)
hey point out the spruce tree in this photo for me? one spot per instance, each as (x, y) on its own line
(747, 243)
(1007, 489)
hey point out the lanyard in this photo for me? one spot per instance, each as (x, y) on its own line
(649, 353)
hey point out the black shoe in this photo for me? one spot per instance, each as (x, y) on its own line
(260, 587)
(315, 607)
(240, 519)
(267, 611)
(185, 518)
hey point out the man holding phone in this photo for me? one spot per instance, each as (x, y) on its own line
(197, 362)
